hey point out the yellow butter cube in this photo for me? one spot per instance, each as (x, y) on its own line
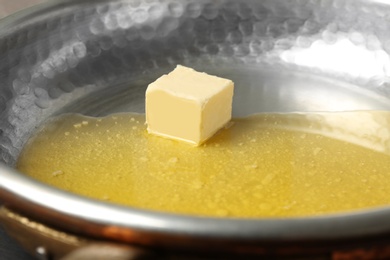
(188, 105)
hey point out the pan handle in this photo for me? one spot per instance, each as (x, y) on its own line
(103, 251)
(46, 243)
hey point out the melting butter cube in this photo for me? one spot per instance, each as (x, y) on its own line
(188, 105)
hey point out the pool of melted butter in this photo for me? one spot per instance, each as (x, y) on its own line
(265, 165)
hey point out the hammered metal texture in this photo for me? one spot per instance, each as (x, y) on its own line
(78, 56)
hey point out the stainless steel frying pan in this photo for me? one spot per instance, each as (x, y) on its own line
(97, 57)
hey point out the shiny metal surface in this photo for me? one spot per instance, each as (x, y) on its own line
(97, 57)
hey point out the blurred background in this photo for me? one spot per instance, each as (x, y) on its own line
(10, 6)
(9, 250)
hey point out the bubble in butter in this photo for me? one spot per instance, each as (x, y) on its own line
(266, 165)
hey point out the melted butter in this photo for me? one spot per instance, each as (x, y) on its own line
(267, 165)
